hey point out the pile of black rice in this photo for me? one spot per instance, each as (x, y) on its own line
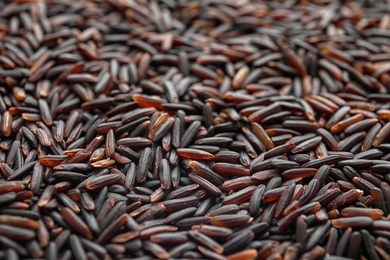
(194, 129)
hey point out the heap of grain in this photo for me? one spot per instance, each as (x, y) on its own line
(216, 129)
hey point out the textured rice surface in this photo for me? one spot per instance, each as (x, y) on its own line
(191, 129)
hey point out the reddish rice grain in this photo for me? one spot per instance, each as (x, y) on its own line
(355, 222)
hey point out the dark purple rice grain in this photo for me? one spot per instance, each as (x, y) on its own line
(219, 209)
(16, 233)
(189, 134)
(255, 200)
(238, 242)
(206, 241)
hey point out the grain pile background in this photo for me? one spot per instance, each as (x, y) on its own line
(215, 129)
